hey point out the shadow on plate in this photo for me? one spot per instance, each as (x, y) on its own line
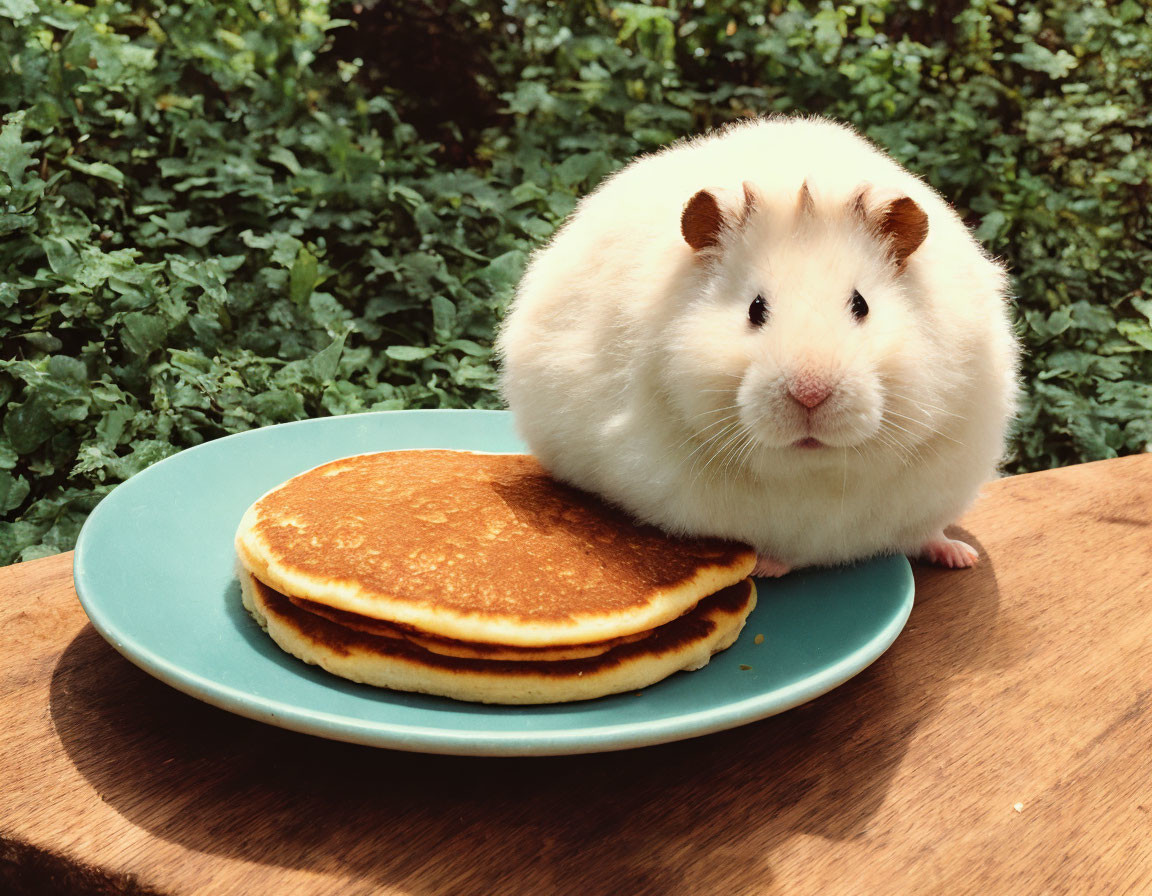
(695, 816)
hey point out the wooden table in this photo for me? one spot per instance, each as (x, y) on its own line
(1002, 745)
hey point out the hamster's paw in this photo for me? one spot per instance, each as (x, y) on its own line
(768, 568)
(944, 551)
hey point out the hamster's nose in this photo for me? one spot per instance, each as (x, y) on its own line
(809, 389)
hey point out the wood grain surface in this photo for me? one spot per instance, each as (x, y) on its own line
(1002, 745)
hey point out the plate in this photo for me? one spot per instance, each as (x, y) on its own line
(154, 570)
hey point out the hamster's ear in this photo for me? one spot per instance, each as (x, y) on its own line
(710, 212)
(895, 218)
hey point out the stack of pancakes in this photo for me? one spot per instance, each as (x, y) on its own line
(479, 577)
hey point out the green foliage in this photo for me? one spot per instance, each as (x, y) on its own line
(215, 216)
(204, 230)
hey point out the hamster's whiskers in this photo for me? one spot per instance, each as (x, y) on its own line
(736, 455)
(886, 440)
(707, 456)
(731, 422)
(744, 449)
(915, 449)
(753, 442)
(912, 451)
(732, 433)
(735, 443)
(699, 432)
(925, 406)
(931, 430)
(693, 433)
(730, 407)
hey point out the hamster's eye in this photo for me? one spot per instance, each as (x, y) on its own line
(758, 312)
(859, 306)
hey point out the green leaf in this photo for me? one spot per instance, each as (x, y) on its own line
(29, 425)
(584, 167)
(325, 363)
(504, 271)
(13, 491)
(278, 406)
(112, 425)
(468, 347)
(144, 453)
(1059, 321)
(192, 362)
(64, 369)
(15, 155)
(197, 236)
(1037, 58)
(43, 342)
(1137, 331)
(284, 246)
(11, 223)
(143, 333)
(408, 352)
(18, 10)
(102, 170)
(1091, 317)
(63, 258)
(443, 316)
(302, 279)
(991, 226)
(285, 157)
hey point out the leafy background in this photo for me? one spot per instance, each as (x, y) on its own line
(216, 216)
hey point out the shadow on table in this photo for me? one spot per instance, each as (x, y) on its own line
(681, 817)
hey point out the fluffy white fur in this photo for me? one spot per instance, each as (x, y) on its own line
(632, 369)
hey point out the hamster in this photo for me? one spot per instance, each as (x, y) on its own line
(774, 334)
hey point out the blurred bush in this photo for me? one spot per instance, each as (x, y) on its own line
(215, 216)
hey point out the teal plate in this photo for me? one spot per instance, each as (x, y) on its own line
(154, 569)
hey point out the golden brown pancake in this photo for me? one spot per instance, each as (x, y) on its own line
(468, 649)
(685, 643)
(482, 548)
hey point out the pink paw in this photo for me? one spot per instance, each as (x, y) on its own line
(768, 568)
(944, 551)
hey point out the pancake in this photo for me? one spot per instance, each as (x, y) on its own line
(480, 548)
(466, 649)
(685, 643)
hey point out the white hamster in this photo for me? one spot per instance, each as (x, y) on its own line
(775, 334)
